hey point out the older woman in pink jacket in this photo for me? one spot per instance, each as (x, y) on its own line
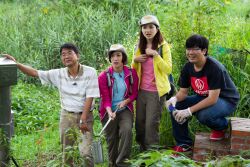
(118, 89)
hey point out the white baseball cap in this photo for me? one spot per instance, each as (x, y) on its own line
(117, 48)
(149, 19)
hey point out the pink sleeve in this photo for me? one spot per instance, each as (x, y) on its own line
(104, 90)
(134, 94)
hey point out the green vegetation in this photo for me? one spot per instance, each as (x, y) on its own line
(163, 158)
(32, 32)
(3, 139)
(38, 148)
(38, 28)
(35, 108)
(229, 161)
(168, 159)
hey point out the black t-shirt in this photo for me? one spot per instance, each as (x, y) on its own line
(212, 76)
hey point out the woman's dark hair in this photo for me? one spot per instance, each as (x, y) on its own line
(158, 39)
(70, 46)
(199, 41)
(124, 57)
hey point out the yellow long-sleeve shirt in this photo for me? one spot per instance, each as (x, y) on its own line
(162, 68)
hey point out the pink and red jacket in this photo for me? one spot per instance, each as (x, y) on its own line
(106, 92)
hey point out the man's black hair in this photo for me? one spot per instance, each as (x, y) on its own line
(199, 41)
(70, 46)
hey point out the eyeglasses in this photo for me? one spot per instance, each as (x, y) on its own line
(192, 49)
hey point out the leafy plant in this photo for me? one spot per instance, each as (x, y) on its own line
(162, 158)
(229, 161)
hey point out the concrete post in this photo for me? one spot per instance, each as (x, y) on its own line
(8, 77)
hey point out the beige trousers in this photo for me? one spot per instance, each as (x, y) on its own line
(69, 132)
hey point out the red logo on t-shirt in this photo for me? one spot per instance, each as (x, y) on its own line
(200, 85)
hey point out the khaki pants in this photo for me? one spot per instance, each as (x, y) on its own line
(69, 125)
(148, 115)
(119, 137)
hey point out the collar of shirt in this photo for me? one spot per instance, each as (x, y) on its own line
(80, 72)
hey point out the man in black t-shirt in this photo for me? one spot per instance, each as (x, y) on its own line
(215, 95)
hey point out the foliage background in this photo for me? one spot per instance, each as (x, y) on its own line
(33, 31)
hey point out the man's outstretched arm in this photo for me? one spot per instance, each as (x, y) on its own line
(25, 69)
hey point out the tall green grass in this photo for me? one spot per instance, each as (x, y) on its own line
(38, 28)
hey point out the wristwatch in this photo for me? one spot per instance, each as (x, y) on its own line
(82, 122)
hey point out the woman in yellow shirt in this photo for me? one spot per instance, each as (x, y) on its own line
(152, 61)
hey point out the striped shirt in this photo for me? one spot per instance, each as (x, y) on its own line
(73, 91)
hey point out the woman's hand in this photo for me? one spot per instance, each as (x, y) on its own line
(123, 103)
(111, 114)
(140, 59)
(151, 52)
